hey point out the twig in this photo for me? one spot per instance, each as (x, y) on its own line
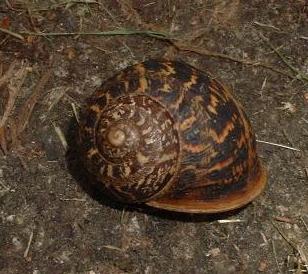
(154, 34)
(265, 241)
(306, 171)
(73, 199)
(61, 137)
(113, 248)
(78, 2)
(75, 112)
(263, 86)
(227, 221)
(28, 245)
(14, 34)
(284, 219)
(278, 145)
(266, 26)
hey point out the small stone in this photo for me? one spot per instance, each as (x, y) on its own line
(17, 243)
(10, 218)
(214, 252)
(262, 266)
(96, 81)
(288, 107)
(133, 226)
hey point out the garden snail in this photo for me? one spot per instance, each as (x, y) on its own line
(169, 135)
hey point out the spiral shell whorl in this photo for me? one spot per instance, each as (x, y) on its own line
(139, 144)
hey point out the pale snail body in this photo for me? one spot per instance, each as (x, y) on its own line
(168, 135)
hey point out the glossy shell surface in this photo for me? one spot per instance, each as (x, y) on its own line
(168, 134)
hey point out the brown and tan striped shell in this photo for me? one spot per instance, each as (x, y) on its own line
(166, 134)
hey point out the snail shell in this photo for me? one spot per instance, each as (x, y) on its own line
(169, 135)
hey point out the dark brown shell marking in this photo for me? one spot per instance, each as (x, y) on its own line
(212, 164)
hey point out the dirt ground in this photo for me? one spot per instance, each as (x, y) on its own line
(51, 222)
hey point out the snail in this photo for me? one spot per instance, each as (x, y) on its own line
(168, 135)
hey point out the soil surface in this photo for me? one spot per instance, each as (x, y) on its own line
(51, 221)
